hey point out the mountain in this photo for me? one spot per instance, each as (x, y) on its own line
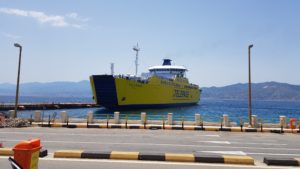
(81, 92)
(260, 91)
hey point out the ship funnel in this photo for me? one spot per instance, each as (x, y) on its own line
(167, 62)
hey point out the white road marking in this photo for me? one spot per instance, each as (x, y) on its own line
(234, 142)
(210, 135)
(226, 152)
(66, 134)
(272, 144)
(157, 163)
(275, 154)
(215, 142)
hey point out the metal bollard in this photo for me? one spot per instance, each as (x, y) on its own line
(182, 122)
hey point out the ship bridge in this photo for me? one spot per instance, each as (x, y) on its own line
(167, 70)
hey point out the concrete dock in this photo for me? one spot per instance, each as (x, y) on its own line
(46, 106)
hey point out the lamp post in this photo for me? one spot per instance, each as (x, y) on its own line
(249, 87)
(18, 79)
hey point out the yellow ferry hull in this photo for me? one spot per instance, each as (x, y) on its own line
(117, 92)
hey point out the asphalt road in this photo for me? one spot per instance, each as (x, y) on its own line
(256, 145)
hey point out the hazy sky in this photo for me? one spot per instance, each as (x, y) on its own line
(71, 40)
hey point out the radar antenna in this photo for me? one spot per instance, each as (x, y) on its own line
(136, 49)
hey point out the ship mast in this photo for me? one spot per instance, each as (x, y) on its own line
(136, 49)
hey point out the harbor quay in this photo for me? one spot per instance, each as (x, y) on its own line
(46, 106)
(146, 120)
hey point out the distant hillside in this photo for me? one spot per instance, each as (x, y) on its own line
(48, 92)
(260, 91)
(81, 92)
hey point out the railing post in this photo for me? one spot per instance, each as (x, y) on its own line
(107, 119)
(261, 124)
(31, 119)
(117, 117)
(197, 119)
(241, 124)
(170, 118)
(42, 118)
(163, 119)
(49, 121)
(126, 119)
(182, 122)
(87, 121)
(221, 123)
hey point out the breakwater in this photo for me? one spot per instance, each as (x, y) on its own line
(47, 106)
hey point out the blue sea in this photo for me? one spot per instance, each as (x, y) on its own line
(210, 110)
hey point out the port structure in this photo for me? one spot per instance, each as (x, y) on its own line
(136, 49)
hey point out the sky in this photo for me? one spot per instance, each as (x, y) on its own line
(65, 40)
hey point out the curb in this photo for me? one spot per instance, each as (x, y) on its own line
(282, 161)
(6, 152)
(155, 156)
(10, 152)
(168, 127)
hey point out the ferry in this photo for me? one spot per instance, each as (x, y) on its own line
(164, 85)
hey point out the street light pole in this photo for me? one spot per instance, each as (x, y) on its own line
(249, 87)
(18, 79)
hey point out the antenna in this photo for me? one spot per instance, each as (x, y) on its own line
(136, 49)
(112, 69)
